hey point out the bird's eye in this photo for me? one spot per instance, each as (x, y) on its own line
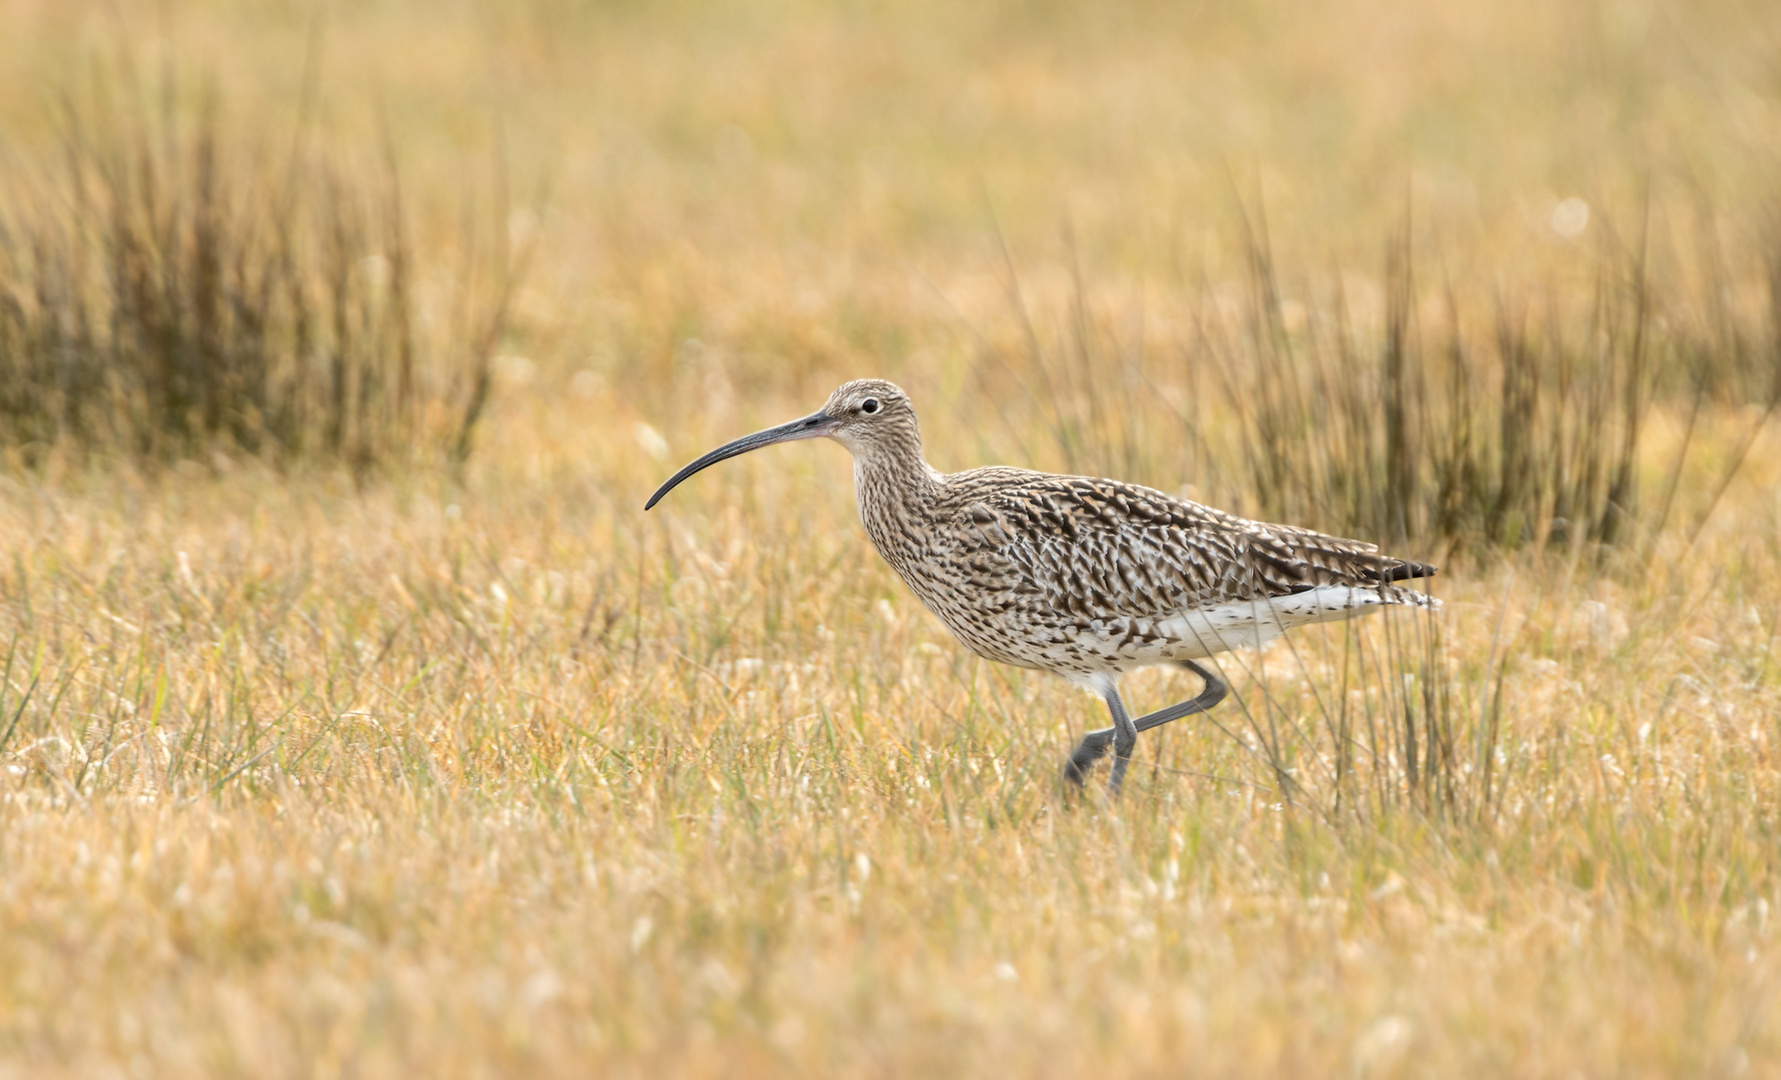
(870, 405)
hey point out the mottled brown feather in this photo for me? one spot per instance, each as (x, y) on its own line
(1075, 574)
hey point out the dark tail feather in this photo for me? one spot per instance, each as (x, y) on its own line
(1402, 569)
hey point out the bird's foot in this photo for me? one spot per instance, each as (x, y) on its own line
(1093, 745)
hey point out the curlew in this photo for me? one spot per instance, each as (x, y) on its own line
(1082, 577)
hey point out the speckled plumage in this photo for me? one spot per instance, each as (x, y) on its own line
(1088, 577)
(1084, 577)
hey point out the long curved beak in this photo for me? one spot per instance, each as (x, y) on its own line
(814, 426)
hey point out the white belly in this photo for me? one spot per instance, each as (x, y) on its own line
(1195, 635)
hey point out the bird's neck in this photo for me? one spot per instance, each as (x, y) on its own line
(895, 486)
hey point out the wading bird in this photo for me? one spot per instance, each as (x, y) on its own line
(1082, 577)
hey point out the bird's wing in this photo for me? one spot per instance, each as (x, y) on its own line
(1105, 547)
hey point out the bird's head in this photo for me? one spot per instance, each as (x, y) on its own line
(868, 412)
(862, 415)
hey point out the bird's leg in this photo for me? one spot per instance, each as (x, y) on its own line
(1125, 740)
(1095, 743)
(1211, 694)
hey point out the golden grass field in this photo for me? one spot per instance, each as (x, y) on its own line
(480, 771)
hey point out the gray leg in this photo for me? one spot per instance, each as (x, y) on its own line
(1095, 743)
(1125, 740)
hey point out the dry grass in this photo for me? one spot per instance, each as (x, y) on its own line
(486, 773)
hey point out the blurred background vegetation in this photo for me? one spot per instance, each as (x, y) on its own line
(1436, 266)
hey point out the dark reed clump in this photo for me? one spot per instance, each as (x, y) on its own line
(165, 294)
(1532, 432)
(1445, 418)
